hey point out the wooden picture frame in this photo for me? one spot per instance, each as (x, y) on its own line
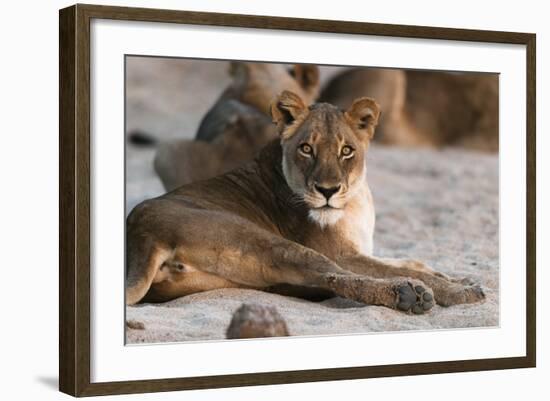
(74, 205)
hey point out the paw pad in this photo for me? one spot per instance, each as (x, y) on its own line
(415, 299)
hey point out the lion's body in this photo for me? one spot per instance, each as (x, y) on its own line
(300, 214)
(241, 131)
(425, 108)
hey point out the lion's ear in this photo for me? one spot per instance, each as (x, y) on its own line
(363, 116)
(286, 108)
(240, 72)
(237, 68)
(307, 76)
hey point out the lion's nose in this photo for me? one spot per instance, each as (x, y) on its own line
(327, 192)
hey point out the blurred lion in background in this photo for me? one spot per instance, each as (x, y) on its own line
(425, 108)
(419, 109)
(237, 126)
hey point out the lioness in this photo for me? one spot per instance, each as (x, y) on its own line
(425, 108)
(300, 214)
(254, 85)
(237, 126)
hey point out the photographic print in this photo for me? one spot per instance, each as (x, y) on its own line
(269, 200)
(325, 194)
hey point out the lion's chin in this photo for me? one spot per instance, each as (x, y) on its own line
(325, 216)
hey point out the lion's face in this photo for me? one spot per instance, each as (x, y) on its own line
(324, 151)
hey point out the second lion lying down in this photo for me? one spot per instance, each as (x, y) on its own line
(301, 214)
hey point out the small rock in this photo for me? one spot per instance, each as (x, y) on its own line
(256, 321)
(135, 325)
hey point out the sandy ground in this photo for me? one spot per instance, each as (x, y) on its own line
(437, 206)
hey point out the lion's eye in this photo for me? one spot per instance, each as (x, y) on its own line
(306, 149)
(347, 151)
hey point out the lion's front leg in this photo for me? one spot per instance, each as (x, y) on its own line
(412, 264)
(404, 294)
(447, 291)
(291, 263)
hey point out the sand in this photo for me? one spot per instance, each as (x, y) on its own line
(438, 206)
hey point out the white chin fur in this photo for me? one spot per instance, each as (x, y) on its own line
(325, 217)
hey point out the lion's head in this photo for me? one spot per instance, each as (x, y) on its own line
(256, 84)
(324, 151)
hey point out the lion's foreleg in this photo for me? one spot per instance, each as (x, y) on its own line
(447, 291)
(252, 256)
(286, 262)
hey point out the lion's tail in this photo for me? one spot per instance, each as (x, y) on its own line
(142, 138)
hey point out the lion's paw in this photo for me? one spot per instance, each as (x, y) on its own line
(460, 294)
(414, 297)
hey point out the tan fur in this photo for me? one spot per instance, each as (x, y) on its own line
(256, 84)
(184, 161)
(237, 126)
(271, 222)
(426, 108)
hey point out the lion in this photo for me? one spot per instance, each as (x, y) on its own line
(426, 108)
(237, 126)
(300, 214)
(255, 85)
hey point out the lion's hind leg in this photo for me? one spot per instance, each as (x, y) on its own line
(144, 260)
